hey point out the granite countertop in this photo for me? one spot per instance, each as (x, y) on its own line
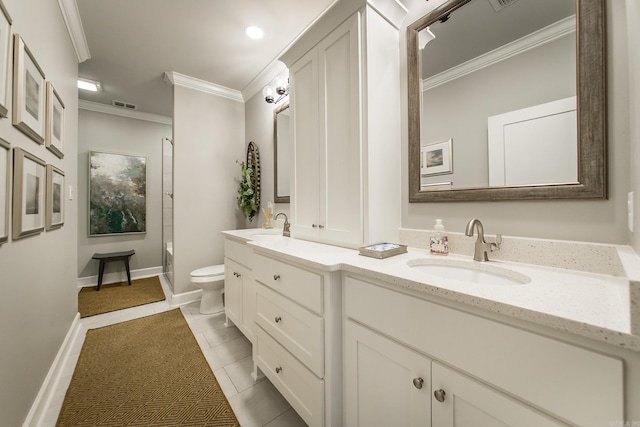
(588, 304)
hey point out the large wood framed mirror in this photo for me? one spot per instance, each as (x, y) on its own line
(281, 154)
(507, 100)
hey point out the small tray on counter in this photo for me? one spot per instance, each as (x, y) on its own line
(383, 250)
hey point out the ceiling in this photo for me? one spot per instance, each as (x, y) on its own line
(132, 44)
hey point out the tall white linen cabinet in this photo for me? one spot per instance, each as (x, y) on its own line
(345, 124)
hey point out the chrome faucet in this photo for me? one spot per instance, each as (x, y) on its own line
(286, 229)
(482, 247)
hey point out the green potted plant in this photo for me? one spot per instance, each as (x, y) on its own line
(247, 193)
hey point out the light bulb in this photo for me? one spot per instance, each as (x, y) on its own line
(267, 92)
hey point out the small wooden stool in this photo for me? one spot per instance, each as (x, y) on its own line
(113, 256)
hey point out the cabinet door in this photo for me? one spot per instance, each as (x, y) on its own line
(248, 305)
(468, 403)
(305, 182)
(386, 384)
(233, 273)
(341, 195)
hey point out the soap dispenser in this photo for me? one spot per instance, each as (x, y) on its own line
(439, 241)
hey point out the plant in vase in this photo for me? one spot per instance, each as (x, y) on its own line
(247, 193)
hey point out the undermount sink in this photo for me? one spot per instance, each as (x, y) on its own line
(468, 271)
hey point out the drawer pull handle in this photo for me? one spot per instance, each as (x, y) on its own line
(278, 369)
(276, 277)
(417, 383)
(439, 395)
(278, 319)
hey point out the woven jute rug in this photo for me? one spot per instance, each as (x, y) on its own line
(144, 372)
(117, 296)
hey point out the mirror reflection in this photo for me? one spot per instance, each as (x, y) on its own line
(498, 95)
(507, 100)
(282, 151)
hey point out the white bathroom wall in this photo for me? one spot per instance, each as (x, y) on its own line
(259, 128)
(590, 220)
(633, 31)
(110, 133)
(38, 274)
(208, 139)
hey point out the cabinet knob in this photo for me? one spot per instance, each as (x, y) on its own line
(235, 273)
(439, 395)
(320, 226)
(276, 277)
(417, 383)
(278, 319)
(278, 369)
(314, 225)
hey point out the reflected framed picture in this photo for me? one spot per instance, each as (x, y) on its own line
(436, 159)
(5, 59)
(55, 122)
(117, 194)
(54, 217)
(28, 194)
(29, 92)
(5, 168)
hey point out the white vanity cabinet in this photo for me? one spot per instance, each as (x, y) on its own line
(476, 371)
(346, 152)
(239, 287)
(297, 314)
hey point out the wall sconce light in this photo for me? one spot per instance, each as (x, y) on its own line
(280, 88)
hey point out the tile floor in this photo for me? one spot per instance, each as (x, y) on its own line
(256, 404)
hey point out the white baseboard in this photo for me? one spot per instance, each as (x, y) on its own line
(50, 383)
(119, 276)
(185, 298)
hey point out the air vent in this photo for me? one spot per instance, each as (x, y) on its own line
(498, 5)
(124, 105)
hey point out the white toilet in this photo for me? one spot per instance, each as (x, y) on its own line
(211, 281)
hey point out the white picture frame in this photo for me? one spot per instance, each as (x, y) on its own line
(5, 59)
(28, 194)
(54, 217)
(54, 135)
(29, 92)
(436, 159)
(5, 190)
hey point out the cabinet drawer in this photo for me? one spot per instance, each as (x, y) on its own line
(302, 286)
(238, 252)
(295, 328)
(587, 386)
(303, 391)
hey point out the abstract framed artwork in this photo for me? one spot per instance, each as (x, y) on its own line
(28, 194)
(54, 216)
(117, 194)
(54, 134)
(5, 59)
(29, 92)
(5, 168)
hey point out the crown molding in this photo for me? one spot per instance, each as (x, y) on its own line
(178, 79)
(117, 111)
(538, 38)
(71, 15)
(265, 77)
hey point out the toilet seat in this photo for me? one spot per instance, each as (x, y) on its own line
(212, 273)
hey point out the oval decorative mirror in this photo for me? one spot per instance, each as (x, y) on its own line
(507, 100)
(281, 154)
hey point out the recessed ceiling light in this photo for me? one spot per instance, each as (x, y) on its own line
(90, 85)
(253, 32)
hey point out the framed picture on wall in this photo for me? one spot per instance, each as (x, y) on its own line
(29, 92)
(436, 159)
(54, 217)
(5, 167)
(5, 59)
(28, 194)
(55, 122)
(117, 194)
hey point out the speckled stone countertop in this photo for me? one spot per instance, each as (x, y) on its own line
(594, 305)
